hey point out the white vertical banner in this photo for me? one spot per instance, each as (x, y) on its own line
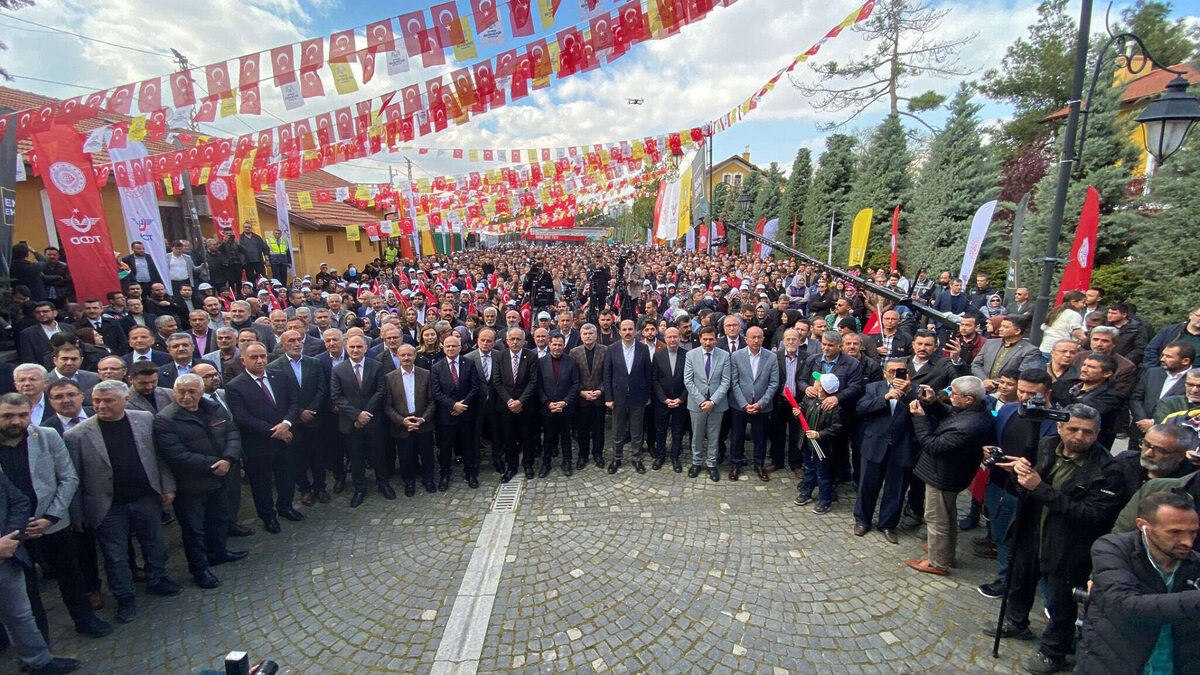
(667, 227)
(284, 221)
(979, 228)
(689, 239)
(769, 232)
(829, 258)
(139, 206)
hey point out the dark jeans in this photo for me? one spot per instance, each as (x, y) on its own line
(520, 448)
(787, 437)
(254, 271)
(143, 518)
(1056, 641)
(61, 553)
(363, 444)
(457, 439)
(204, 525)
(416, 456)
(818, 474)
(1001, 506)
(267, 469)
(885, 475)
(17, 615)
(674, 419)
(89, 560)
(557, 430)
(589, 426)
(758, 434)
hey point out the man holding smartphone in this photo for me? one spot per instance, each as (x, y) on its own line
(888, 450)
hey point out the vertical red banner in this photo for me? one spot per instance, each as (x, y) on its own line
(1078, 274)
(895, 236)
(78, 211)
(221, 204)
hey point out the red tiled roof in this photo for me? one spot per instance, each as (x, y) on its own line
(22, 100)
(1148, 85)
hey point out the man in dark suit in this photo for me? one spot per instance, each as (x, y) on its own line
(141, 348)
(141, 267)
(849, 370)
(626, 391)
(201, 332)
(306, 375)
(570, 335)
(106, 327)
(558, 384)
(515, 388)
(589, 413)
(927, 367)
(670, 400)
(183, 356)
(357, 390)
(455, 385)
(265, 406)
(33, 343)
(732, 339)
(787, 436)
(388, 357)
(484, 356)
(334, 456)
(1159, 382)
(888, 450)
(410, 410)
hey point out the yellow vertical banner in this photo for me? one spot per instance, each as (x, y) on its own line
(685, 201)
(247, 206)
(352, 233)
(859, 235)
(546, 11)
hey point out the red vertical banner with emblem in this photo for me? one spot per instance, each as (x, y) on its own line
(77, 209)
(1078, 274)
(221, 204)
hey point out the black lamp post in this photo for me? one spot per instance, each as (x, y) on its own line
(744, 200)
(1165, 124)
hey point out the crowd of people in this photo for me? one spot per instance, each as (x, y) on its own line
(541, 359)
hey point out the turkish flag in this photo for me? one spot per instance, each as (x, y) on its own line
(1078, 273)
(449, 27)
(312, 54)
(248, 71)
(464, 86)
(78, 212)
(380, 37)
(633, 23)
(181, 89)
(602, 35)
(412, 29)
(207, 112)
(150, 95)
(283, 65)
(341, 46)
(120, 100)
(251, 103)
(485, 13)
(520, 17)
(310, 83)
(570, 55)
(345, 123)
(539, 59)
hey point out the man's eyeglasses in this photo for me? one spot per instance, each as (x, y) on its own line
(1157, 449)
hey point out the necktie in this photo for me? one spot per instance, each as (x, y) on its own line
(516, 364)
(266, 390)
(708, 364)
(96, 325)
(72, 423)
(358, 373)
(143, 358)
(487, 367)
(454, 373)
(733, 345)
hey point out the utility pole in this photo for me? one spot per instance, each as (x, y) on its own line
(187, 200)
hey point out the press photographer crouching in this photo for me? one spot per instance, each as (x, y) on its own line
(1020, 427)
(1074, 490)
(1143, 611)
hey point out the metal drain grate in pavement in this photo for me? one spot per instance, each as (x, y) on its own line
(508, 495)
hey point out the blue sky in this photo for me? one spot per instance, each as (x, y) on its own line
(685, 80)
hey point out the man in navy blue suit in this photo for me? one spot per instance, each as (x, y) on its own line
(627, 377)
(264, 406)
(887, 449)
(455, 389)
(558, 382)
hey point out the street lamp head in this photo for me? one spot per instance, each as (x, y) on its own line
(1168, 119)
(745, 198)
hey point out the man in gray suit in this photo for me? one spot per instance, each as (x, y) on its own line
(706, 376)
(484, 358)
(36, 460)
(16, 612)
(1009, 349)
(123, 485)
(754, 379)
(144, 393)
(67, 359)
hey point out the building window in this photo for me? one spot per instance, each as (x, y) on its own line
(737, 180)
(329, 243)
(727, 179)
(358, 246)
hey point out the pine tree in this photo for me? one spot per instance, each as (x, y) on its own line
(882, 182)
(1109, 160)
(743, 215)
(768, 199)
(828, 196)
(1169, 42)
(795, 195)
(720, 194)
(958, 176)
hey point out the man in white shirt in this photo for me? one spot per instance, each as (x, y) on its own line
(30, 379)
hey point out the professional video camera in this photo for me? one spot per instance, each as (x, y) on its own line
(539, 285)
(1036, 408)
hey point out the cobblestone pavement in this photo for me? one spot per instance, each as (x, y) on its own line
(625, 573)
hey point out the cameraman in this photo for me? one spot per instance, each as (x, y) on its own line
(1020, 427)
(1143, 611)
(1074, 491)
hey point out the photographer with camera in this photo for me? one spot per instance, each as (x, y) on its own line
(1020, 427)
(1143, 609)
(1074, 490)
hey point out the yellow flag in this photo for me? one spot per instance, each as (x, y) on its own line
(473, 155)
(304, 199)
(228, 106)
(859, 236)
(362, 192)
(343, 77)
(685, 201)
(204, 171)
(247, 206)
(352, 233)
(137, 128)
(546, 10)
(465, 50)
(553, 50)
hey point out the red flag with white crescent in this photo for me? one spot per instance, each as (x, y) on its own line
(1078, 274)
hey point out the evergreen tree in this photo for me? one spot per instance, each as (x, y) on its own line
(1169, 42)
(720, 193)
(958, 176)
(881, 183)
(1109, 162)
(744, 215)
(829, 194)
(795, 195)
(768, 199)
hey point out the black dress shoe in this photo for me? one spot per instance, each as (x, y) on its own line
(694, 470)
(529, 473)
(508, 475)
(323, 497)
(56, 666)
(599, 462)
(94, 628)
(713, 474)
(431, 487)
(339, 486)
(443, 483)
(356, 499)
(657, 463)
(410, 490)
(272, 526)
(735, 472)
(239, 530)
(230, 556)
(544, 471)
(639, 467)
(762, 474)
(387, 491)
(677, 465)
(581, 464)
(612, 468)
(567, 470)
(126, 610)
(473, 482)
(207, 580)
(292, 515)
(164, 588)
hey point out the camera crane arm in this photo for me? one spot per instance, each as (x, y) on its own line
(944, 318)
